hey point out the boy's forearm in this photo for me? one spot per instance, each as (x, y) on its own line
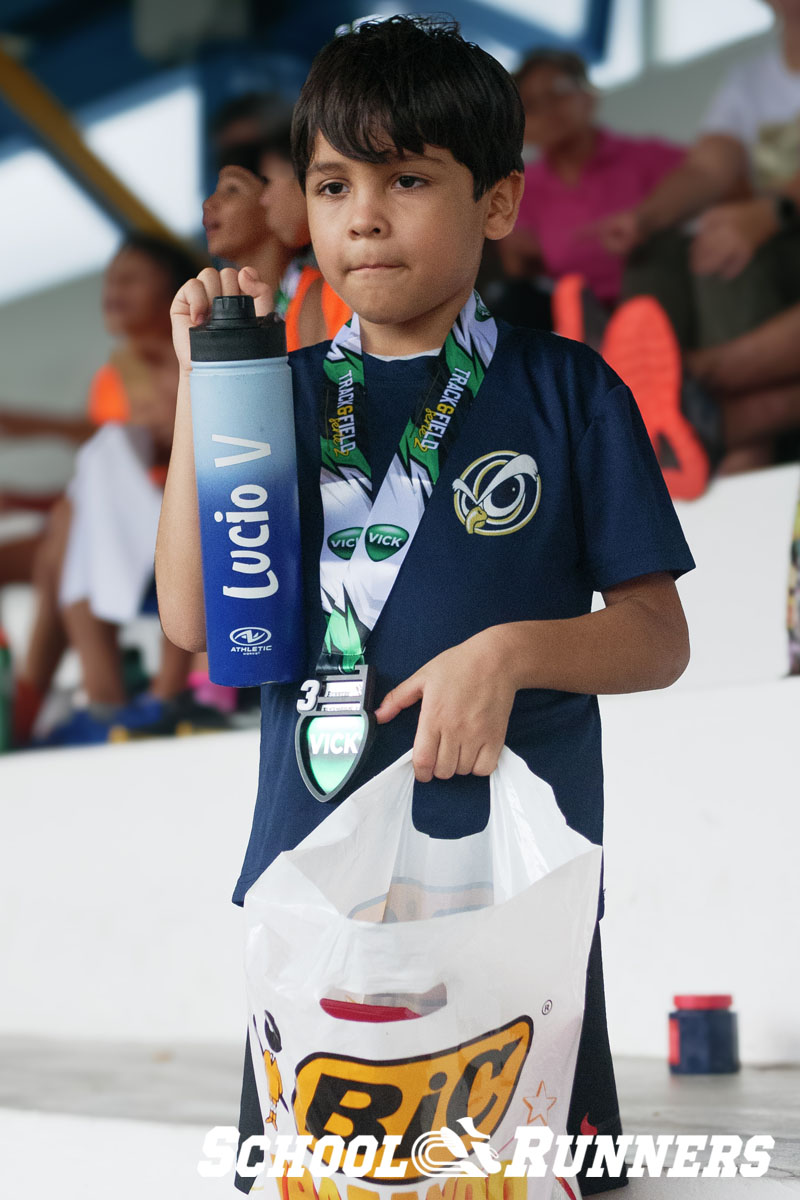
(626, 647)
(179, 578)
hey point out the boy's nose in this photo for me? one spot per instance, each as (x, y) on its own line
(367, 225)
(367, 218)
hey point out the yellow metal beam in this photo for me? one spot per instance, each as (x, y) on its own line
(52, 124)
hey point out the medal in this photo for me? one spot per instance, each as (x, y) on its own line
(366, 540)
(335, 729)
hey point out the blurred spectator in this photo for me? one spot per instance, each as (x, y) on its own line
(257, 217)
(312, 309)
(583, 173)
(248, 119)
(133, 397)
(233, 218)
(740, 264)
(96, 602)
(731, 284)
(129, 281)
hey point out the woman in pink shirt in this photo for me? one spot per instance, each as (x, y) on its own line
(584, 173)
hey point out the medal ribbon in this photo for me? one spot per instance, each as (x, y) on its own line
(366, 540)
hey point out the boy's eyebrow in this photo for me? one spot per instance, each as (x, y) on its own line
(332, 166)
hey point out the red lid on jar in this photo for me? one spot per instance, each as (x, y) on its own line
(703, 1001)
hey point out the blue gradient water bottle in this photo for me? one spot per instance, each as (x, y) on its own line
(246, 467)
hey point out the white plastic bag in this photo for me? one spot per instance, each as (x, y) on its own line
(471, 954)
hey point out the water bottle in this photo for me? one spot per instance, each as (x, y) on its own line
(246, 468)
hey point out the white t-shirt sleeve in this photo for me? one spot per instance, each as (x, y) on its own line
(731, 110)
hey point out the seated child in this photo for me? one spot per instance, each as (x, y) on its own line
(134, 390)
(541, 490)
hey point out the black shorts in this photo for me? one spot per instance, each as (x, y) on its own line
(594, 1093)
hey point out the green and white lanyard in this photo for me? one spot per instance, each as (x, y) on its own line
(366, 538)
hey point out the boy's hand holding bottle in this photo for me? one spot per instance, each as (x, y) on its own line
(192, 304)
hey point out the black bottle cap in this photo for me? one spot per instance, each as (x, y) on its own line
(234, 332)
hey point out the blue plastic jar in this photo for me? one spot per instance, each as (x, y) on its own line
(703, 1036)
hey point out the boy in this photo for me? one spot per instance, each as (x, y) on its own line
(408, 142)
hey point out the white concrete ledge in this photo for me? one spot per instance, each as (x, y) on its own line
(740, 534)
(117, 864)
(702, 880)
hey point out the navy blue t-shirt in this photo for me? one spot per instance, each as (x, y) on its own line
(594, 513)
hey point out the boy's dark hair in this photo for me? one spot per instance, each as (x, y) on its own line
(566, 61)
(177, 264)
(395, 85)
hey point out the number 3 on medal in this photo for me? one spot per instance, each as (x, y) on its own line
(311, 689)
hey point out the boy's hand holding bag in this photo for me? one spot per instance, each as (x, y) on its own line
(399, 984)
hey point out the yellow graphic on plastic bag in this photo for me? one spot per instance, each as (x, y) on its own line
(405, 1098)
(494, 1187)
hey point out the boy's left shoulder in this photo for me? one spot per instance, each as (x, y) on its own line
(560, 370)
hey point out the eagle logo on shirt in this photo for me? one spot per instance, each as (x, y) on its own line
(498, 493)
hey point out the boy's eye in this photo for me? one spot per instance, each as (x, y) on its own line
(332, 188)
(409, 181)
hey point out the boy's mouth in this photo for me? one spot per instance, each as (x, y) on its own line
(379, 266)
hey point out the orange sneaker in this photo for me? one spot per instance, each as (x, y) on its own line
(567, 306)
(576, 311)
(640, 345)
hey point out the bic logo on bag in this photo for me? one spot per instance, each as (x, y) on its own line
(498, 493)
(409, 1097)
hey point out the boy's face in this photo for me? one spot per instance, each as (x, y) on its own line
(283, 202)
(232, 215)
(399, 241)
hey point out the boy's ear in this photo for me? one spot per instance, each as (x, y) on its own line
(503, 206)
